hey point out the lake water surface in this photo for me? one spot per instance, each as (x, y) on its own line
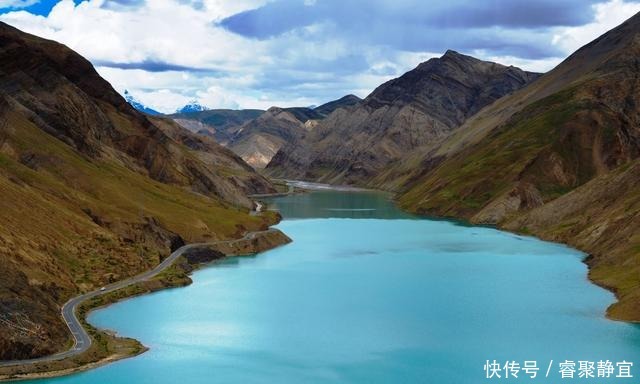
(368, 294)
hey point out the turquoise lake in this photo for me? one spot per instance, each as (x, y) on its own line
(368, 294)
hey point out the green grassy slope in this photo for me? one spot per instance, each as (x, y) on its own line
(72, 223)
(92, 191)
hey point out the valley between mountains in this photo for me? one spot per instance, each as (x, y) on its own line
(97, 188)
(553, 155)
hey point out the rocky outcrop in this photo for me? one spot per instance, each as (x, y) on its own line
(254, 243)
(30, 323)
(259, 139)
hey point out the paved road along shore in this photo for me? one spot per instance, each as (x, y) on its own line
(82, 340)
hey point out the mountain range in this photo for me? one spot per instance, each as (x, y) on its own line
(253, 134)
(192, 107)
(257, 135)
(220, 124)
(558, 159)
(419, 108)
(555, 155)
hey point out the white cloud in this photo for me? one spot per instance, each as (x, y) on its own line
(158, 31)
(162, 100)
(539, 65)
(308, 65)
(219, 9)
(162, 30)
(607, 16)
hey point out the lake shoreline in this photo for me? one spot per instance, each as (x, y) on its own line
(178, 276)
(587, 260)
(185, 280)
(70, 371)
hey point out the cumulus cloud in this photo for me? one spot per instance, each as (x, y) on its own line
(259, 53)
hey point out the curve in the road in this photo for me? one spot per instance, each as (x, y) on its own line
(82, 340)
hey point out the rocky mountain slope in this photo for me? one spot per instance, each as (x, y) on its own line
(93, 191)
(256, 137)
(343, 102)
(221, 124)
(353, 145)
(558, 159)
(259, 139)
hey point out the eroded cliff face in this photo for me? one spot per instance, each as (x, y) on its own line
(558, 159)
(355, 144)
(259, 140)
(93, 191)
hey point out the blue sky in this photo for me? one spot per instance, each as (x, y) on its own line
(258, 53)
(36, 7)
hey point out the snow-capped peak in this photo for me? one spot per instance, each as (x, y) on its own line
(138, 105)
(193, 106)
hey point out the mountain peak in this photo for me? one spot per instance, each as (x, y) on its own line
(274, 110)
(344, 101)
(192, 106)
(449, 57)
(451, 53)
(455, 56)
(348, 97)
(441, 76)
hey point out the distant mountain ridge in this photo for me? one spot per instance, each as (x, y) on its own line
(259, 139)
(221, 124)
(192, 106)
(258, 135)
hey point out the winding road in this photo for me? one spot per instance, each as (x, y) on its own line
(82, 340)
